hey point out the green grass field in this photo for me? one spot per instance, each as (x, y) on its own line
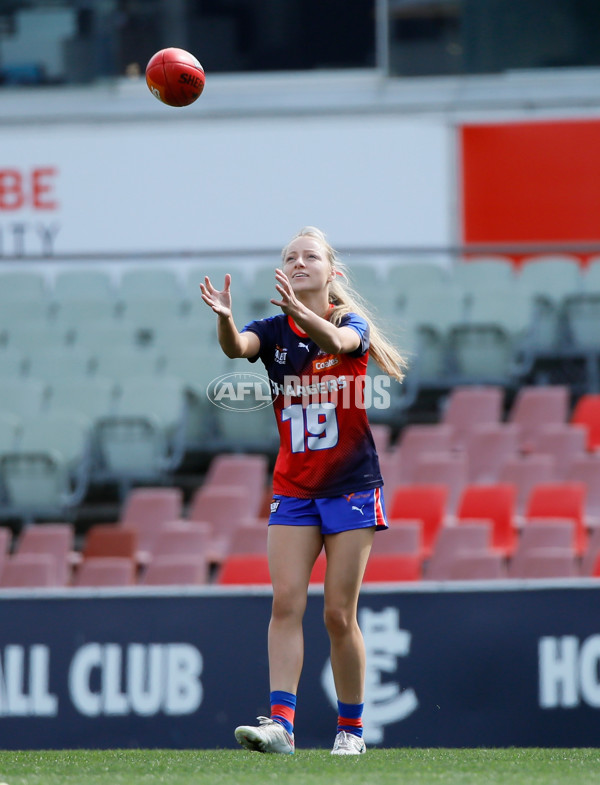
(307, 767)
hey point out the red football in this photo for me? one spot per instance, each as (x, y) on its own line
(175, 77)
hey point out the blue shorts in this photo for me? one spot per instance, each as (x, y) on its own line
(360, 510)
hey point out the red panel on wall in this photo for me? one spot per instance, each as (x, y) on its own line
(531, 182)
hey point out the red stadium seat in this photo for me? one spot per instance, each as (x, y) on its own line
(393, 567)
(560, 500)
(587, 413)
(425, 503)
(244, 568)
(108, 540)
(495, 502)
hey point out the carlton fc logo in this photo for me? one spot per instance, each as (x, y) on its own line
(280, 355)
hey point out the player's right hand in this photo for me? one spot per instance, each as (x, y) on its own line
(220, 302)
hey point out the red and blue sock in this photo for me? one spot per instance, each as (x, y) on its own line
(350, 718)
(283, 709)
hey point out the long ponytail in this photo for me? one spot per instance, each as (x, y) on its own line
(346, 300)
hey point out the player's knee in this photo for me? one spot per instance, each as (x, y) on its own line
(287, 603)
(338, 620)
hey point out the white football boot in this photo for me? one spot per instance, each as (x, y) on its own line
(348, 744)
(268, 736)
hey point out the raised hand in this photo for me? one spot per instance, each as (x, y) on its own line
(220, 302)
(289, 303)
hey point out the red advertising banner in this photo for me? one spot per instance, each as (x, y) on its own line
(531, 182)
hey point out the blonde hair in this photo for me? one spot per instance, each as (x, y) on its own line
(346, 300)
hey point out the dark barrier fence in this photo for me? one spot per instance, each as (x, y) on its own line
(497, 665)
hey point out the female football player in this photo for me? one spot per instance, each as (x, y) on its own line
(327, 486)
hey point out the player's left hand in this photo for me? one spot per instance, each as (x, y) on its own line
(289, 303)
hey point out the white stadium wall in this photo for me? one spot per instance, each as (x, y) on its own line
(219, 184)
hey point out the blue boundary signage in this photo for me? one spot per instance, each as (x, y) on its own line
(476, 666)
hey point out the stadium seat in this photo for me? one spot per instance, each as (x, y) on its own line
(23, 284)
(93, 397)
(393, 567)
(560, 500)
(147, 436)
(72, 314)
(181, 538)
(526, 471)
(124, 363)
(434, 308)
(29, 570)
(447, 468)
(564, 442)
(49, 472)
(586, 413)
(581, 314)
(175, 570)
(425, 503)
(546, 563)
(382, 436)
(82, 284)
(586, 469)
(410, 278)
(503, 307)
(398, 466)
(56, 539)
(535, 407)
(319, 569)
(224, 507)
(494, 502)
(34, 334)
(550, 277)
(591, 554)
(249, 537)
(147, 282)
(542, 533)
(10, 431)
(5, 540)
(145, 510)
(481, 353)
(59, 363)
(105, 571)
(467, 407)
(99, 336)
(483, 566)
(488, 446)
(13, 362)
(406, 539)
(244, 431)
(484, 272)
(454, 542)
(248, 568)
(104, 540)
(245, 470)
(5, 544)
(23, 397)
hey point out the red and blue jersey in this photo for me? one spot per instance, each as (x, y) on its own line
(326, 447)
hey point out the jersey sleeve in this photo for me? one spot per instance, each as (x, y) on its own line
(361, 326)
(258, 328)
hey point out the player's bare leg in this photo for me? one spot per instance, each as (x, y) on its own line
(292, 554)
(347, 555)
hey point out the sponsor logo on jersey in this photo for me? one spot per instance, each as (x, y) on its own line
(324, 363)
(280, 355)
